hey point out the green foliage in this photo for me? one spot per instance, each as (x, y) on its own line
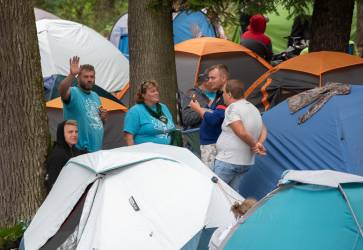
(11, 236)
(98, 14)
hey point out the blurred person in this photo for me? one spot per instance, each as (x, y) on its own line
(204, 94)
(256, 32)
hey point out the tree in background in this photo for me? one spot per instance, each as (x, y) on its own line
(331, 25)
(331, 20)
(24, 129)
(98, 14)
(151, 48)
(359, 33)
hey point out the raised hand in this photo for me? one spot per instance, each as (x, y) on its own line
(74, 65)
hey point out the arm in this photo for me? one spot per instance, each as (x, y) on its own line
(64, 87)
(103, 114)
(131, 126)
(263, 135)
(260, 148)
(129, 138)
(195, 106)
(214, 117)
(242, 133)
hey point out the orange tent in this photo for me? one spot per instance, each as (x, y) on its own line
(304, 72)
(113, 127)
(193, 56)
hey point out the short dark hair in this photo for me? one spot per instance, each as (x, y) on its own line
(235, 88)
(141, 89)
(221, 67)
(86, 67)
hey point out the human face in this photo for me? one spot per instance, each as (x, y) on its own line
(86, 79)
(70, 134)
(151, 95)
(216, 79)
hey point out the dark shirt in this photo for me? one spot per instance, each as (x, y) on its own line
(190, 118)
(59, 156)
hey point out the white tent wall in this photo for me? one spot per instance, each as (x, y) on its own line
(155, 204)
(59, 40)
(173, 190)
(59, 203)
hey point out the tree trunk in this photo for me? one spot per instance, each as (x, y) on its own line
(151, 49)
(23, 126)
(359, 33)
(331, 24)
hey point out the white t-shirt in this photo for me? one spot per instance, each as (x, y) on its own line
(230, 148)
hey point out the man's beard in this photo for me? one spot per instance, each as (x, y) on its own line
(85, 86)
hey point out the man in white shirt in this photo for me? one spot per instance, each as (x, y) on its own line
(243, 135)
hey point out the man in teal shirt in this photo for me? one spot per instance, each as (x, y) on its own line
(80, 103)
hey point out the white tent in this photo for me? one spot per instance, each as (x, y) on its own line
(42, 14)
(59, 40)
(146, 196)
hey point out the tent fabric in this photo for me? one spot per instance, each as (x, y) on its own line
(42, 14)
(318, 63)
(59, 40)
(144, 199)
(193, 56)
(329, 140)
(191, 24)
(113, 136)
(327, 178)
(302, 73)
(302, 216)
(120, 28)
(186, 25)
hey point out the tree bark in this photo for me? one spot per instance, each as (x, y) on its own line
(331, 24)
(23, 128)
(359, 32)
(151, 49)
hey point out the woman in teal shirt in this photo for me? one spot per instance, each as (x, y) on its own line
(148, 120)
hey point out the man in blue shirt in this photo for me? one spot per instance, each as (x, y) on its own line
(80, 103)
(213, 115)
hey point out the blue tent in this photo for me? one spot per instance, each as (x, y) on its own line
(186, 25)
(191, 24)
(331, 139)
(312, 210)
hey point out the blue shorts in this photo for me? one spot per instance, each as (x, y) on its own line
(230, 173)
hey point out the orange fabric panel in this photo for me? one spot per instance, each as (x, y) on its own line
(120, 94)
(264, 99)
(318, 63)
(258, 82)
(107, 104)
(210, 45)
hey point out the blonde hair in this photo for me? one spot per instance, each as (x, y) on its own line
(142, 88)
(240, 208)
(71, 122)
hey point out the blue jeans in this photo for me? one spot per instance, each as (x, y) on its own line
(230, 173)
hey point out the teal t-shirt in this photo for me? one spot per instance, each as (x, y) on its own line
(84, 108)
(145, 128)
